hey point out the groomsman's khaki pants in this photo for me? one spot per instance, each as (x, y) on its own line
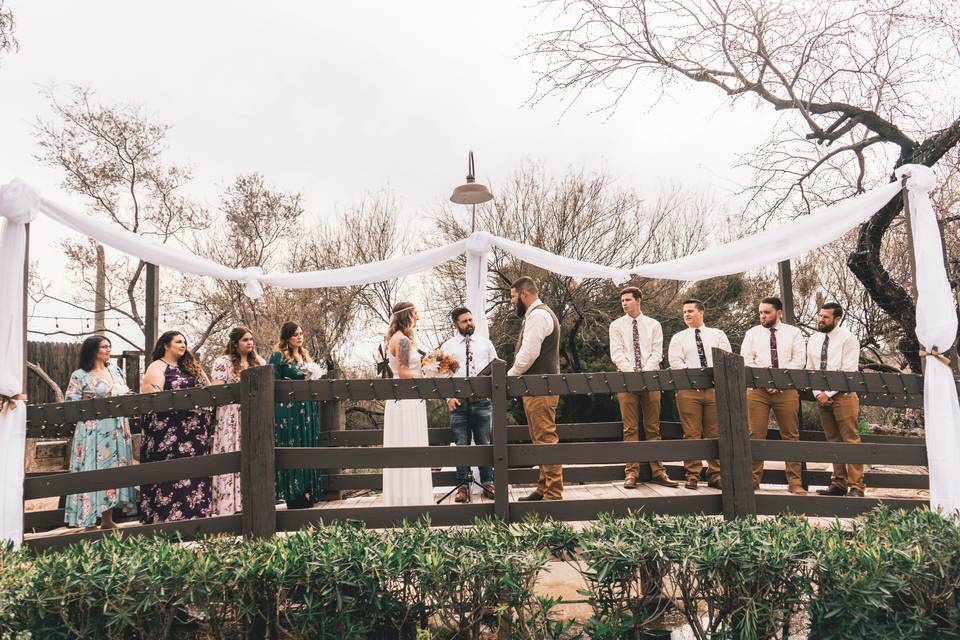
(839, 422)
(631, 404)
(698, 416)
(785, 405)
(541, 414)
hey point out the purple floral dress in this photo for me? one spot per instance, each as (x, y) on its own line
(227, 499)
(175, 434)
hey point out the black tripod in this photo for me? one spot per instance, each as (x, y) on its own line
(468, 483)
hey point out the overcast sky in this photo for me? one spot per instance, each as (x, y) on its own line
(338, 99)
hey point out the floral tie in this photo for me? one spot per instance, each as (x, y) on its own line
(823, 352)
(466, 339)
(774, 357)
(700, 350)
(637, 359)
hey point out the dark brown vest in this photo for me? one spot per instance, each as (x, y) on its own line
(549, 359)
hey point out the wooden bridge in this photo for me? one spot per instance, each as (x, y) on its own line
(592, 453)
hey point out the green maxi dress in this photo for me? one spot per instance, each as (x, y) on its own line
(297, 425)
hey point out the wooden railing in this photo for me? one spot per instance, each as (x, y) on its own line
(595, 448)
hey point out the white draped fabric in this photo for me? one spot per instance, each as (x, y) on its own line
(18, 205)
(936, 320)
(936, 330)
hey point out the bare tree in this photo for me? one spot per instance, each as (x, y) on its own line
(857, 80)
(8, 41)
(113, 155)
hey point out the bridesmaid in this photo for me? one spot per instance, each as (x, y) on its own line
(297, 424)
(174, 434)
(98, 444)
(240, 353)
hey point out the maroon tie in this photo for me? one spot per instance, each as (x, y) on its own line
(774, 357)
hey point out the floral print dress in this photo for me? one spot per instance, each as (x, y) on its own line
(98, 444)
(227, 499)
(175, 434)
(297, 425)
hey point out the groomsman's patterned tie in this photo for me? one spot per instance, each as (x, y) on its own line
(637, 359)
(466, 339)
(774, 356)
(700, 350)
(823, 352)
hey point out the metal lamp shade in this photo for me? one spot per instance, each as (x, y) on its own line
(471, 193)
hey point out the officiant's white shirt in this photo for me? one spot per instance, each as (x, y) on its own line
(482, 352)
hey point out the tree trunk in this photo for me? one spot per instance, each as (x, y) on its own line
(100, 304)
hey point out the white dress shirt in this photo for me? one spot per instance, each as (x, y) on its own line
(843, 353)
(621, 343)
(537, 325)
(791, 352)
(482, 352)
(682, 352)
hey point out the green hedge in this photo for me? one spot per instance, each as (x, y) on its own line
(890, 575)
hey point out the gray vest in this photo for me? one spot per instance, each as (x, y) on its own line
(549, 359)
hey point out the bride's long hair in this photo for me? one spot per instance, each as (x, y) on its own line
(401, 319)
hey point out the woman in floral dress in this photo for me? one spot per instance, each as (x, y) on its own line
(296, 422)
(174, 434)
(98, 444)
(240, 353)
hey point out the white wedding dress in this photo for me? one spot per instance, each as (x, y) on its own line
(405, 425)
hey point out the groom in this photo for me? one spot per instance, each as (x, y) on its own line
(538, 352)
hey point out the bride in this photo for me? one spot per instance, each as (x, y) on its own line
(405, 421)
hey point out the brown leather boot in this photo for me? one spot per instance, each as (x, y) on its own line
(463, 495)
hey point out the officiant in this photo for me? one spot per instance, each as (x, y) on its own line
(469, 417)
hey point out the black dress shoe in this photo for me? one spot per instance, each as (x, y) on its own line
(533, 496)
(715, 484)
(691, 484)
(832, 490)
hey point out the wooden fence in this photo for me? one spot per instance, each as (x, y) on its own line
(595, 448)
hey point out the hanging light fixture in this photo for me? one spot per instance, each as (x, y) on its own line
(472, 192)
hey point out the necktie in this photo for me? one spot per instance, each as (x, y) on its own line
(466, 339)
(637, 358)
(823, 352)
(774, 356)
(700, 350)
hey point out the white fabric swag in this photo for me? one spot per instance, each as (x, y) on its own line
(936, 319)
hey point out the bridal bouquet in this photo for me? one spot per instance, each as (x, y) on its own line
(312, 370)
(438, 364)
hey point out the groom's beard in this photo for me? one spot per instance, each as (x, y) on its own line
(466, 332)
(521, 309)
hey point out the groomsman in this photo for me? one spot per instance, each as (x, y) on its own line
(774, 344)
(833, 348)
(692, 348)
(636, 344)
(538, 352)
(470, 417)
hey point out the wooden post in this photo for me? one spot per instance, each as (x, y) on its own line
(131, 369)
(257, 454)
(785, 277)
(736, 460)
(332, 418)
(151, 321)
(501, 472)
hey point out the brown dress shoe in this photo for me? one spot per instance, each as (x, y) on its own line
(630, 483)
(797, 490)
(463, 495)
(533, 496)
(664, 481)
(691, 484)
(489, 491)
(855, 493)
(832, 490)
